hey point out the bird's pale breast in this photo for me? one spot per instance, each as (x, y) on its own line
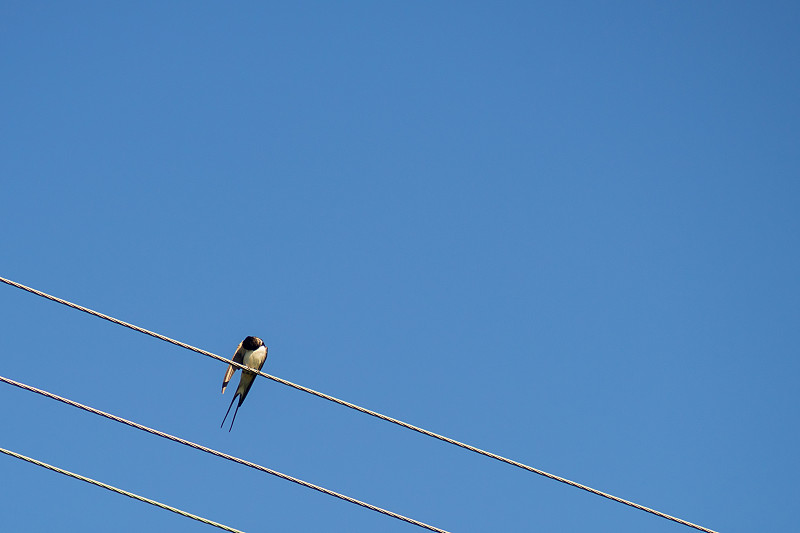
(255, 358)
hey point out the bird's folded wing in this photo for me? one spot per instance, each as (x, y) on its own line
(238, 357)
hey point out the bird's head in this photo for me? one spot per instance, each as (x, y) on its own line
(252, 343)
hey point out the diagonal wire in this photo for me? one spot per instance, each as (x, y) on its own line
(362, 409)
(119, 491)
(220, 454)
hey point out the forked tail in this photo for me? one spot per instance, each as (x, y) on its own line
(229, 410)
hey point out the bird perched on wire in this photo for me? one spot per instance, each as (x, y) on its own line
(252, 353)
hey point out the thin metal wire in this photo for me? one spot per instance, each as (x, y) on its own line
(364, 410)
(220, 454)
(119, 491)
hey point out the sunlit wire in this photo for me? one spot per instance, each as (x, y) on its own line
(220, 454)
(361, 409)
(119, 491)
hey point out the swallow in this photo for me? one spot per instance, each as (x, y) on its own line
(252, 353)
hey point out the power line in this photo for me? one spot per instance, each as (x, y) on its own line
(220, 454)
(119, 491)
(362, 409)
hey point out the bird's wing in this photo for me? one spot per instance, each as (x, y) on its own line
(238, 357)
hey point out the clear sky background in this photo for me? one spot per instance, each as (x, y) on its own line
(563, 232)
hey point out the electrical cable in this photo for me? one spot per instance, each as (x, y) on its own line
(220, 454)
(119, 491)
(362, 409)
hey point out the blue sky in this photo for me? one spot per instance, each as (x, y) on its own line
(566, 233)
